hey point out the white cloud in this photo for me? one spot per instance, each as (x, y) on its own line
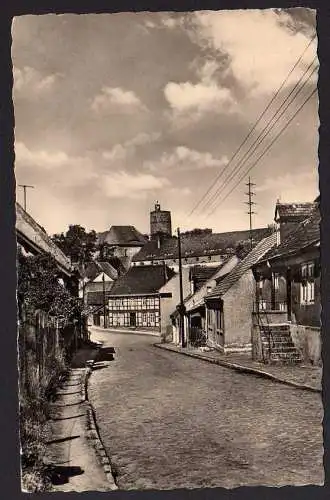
(183, 158)
(198, 97)
(116, 99)
(28, 81)
(133, 186)
(261, 48)
(70, 170)
(128, 148)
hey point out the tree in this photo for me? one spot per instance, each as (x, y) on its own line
(39, 287)
(77, 243)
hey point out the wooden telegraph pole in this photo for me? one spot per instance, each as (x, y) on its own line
(250, 204)
(24, 186)
(181, 307)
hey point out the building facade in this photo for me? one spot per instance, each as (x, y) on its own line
(135, 299)
(135, 311)
(230, 305)
(288, 288)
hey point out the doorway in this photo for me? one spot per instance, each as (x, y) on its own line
(132, 319)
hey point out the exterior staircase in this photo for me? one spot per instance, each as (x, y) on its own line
(277, 344)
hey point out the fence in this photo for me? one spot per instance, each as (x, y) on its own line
(45, 346)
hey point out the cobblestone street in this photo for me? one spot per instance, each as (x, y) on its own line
(169, 421)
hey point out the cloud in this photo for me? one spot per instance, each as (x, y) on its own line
(55, 165)
(132, 186)
(128, 148)
(199, 97)
(300, 186)
(28, 81)
(116, 99)
(184, 159)
(261, 45)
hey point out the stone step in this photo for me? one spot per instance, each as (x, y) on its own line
(278, 340)
(286, 361)
(284, 355)
(281, 349)
(274, 333)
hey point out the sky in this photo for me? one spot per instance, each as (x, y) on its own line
(114, 112)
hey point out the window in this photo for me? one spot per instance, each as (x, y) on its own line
(307, 295)
(197, 259)
(218, 319)
(307, 291)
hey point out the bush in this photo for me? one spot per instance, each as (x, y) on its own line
(34, 398)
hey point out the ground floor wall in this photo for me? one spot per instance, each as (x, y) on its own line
(308, 340)
(238, 303)
(149, 319)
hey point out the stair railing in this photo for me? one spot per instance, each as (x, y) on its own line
(264, 329)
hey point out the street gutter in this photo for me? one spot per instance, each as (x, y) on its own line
(241, 368)
(93, 432)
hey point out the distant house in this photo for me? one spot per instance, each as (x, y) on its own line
(121, 242)
(170, 298)
(205, 247)
(202, 281)
(134, 300)
(288, 288)
(230, 304)
(288, 215)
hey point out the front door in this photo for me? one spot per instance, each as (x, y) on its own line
(132, 319)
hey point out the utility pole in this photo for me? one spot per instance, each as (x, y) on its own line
(25, 186)
(250, 204)
(104, 304)
(181, 307)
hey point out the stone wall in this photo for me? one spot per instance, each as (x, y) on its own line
(308, 340)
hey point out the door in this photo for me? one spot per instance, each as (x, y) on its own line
(132, 319)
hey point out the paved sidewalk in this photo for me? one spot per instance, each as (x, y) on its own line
(301, 376)
(71, 457)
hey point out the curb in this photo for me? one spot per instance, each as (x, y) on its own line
(242, 369)
(93, 432)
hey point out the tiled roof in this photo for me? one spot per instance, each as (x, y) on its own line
(307, 233)
(293, 211)
(242, 267)
(122, 235)
(93, 269)
(200, 274)
(142, 280)
(198, 245)
(28, 229)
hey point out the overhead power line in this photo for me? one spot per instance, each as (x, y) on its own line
(255, 125)
(254, 146)
(268, 147)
